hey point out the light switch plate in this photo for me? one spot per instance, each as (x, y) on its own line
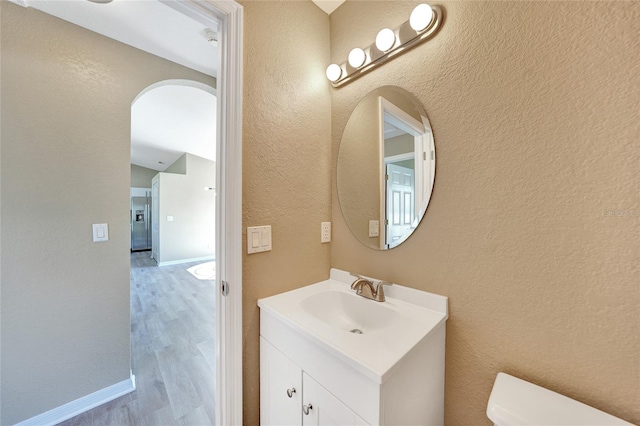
(100, 232)
(258, 239)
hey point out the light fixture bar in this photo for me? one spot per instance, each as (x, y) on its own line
(406, 38)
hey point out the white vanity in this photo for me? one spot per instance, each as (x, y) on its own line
(331, 357)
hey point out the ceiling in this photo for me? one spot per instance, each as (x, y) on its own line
(391, 131)
(328, 5)
(169, 120)
(149, 25)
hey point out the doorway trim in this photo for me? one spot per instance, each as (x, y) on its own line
(228, 201)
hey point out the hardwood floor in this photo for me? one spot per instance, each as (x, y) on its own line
(173, 350)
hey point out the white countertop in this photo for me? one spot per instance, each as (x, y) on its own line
(391, 328)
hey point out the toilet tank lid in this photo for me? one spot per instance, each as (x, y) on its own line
(516, 402)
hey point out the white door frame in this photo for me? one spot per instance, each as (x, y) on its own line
(388, 111)
(228, 404)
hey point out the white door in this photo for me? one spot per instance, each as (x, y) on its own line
(400, 199)
(280, 388)
(322, 408)
(155, 234)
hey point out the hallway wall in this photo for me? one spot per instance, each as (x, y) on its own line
(66, 105)
(191, 233)
(141, 176)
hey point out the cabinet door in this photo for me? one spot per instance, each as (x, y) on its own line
(320, 408)
(280, 388)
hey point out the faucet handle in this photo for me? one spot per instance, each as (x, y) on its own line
(358, 278)
(380, 290)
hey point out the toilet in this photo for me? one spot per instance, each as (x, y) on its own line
(515, 402)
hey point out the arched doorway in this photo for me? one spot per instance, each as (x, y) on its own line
(173, 133)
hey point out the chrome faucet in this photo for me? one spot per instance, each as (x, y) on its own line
(364, 287)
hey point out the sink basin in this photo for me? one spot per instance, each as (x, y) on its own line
(372, 337)
(349, 312)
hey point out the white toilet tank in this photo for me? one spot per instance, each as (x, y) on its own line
(515, 402)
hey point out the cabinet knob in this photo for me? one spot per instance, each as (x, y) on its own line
(306, 409)
(290, 392)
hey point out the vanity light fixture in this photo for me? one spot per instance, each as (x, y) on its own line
(385, 39)
(334, 72)
(424, 23)
(421, 17)
(357, 57)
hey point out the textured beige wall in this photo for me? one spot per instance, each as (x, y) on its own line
(533, 227)
(286, 159)
(66, 105)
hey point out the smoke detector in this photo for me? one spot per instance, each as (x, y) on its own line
(211, 36)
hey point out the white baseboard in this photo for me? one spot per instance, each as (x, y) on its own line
(177, 262)
(80, 405)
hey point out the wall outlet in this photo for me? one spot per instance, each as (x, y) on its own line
(325, 232)
(374, 228)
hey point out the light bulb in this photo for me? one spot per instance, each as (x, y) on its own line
(334, 72)
(357, 57)
(385, 39)
(421, 17)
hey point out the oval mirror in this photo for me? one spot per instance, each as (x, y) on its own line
(386, 166)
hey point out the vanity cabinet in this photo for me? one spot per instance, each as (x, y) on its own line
(338, 392)
(288, 396)
(280, 388)
(325, 409)
(331, 357)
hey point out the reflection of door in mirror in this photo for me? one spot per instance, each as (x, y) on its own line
(400, 202)
(406, 167)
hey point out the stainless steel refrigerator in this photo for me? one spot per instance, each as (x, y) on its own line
(141, 222)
